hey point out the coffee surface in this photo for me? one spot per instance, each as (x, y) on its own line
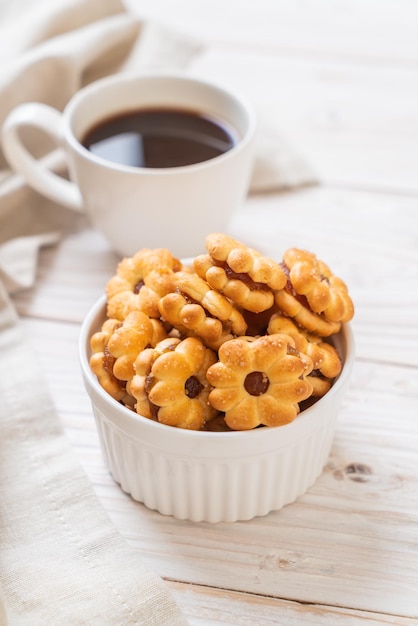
(157, 138)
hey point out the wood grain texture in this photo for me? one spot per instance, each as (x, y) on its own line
(204, 606)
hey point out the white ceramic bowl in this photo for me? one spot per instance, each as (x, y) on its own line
(213, 476)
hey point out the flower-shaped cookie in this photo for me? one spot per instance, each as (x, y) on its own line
(241, 273)
(177, 387)
(102, 362)
(140, 281)
(259, 381)
(135, 333)
(197, 310)
(140, 383)
(325, 358)
(316, 298)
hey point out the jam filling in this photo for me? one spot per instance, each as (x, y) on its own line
(244, 278)
(191, 300)
(148, 385)
(226, 324)
(290, 289)
(193, 387)
(188, 298)
(108, 363)
(138, 286)
(256, 383)
(316, 374)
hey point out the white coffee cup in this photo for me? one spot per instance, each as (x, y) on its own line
(135, 207)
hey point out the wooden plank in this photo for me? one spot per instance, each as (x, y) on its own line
(356, 125)
(209, 606)
(362, 30)
(375, 31)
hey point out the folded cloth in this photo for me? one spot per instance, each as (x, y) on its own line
(62, 562)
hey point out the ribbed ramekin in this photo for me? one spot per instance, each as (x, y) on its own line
(213, 476)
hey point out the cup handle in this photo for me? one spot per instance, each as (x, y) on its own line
(48, 120)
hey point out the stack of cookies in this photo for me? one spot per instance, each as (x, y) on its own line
(233, 341)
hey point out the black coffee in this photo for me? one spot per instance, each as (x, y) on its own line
(159, 138)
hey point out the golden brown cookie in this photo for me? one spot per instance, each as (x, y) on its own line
(138, 386)
(241, 273)
(320, 384)
(259, 381)
(232, 343)
(133, 335)
(102, 362)
(176, 385)
(140, 281)
(315, 298)
(325, 358)
(197, 310)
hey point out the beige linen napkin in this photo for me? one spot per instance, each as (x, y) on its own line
(61, 560)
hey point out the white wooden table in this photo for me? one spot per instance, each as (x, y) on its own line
(341, 78)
